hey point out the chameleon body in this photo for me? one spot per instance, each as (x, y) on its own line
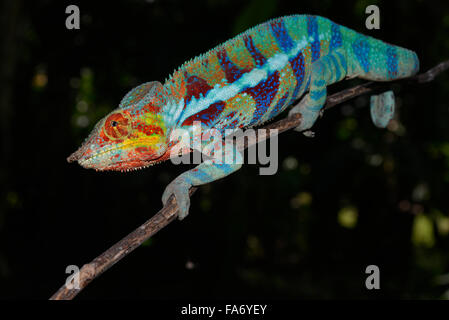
(242, 83)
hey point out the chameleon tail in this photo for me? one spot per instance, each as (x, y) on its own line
(374, 59)
(380, 61)
(400, 63)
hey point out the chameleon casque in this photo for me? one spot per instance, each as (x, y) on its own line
(242, 83)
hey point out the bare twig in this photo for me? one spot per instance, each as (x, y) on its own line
(169, 212)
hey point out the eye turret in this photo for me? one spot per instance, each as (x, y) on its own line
(117, 126)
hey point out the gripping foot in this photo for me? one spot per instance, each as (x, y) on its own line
(179, 188)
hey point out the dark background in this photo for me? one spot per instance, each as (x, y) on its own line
(353, 196)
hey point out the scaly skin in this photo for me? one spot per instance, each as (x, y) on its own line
(240, 84)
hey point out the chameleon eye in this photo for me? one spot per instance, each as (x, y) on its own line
(117, 126)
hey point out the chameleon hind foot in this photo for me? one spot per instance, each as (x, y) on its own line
(310, 133)
(326, 70)
(321, 113)
(382, 108)
(308, 116)
(180, 189)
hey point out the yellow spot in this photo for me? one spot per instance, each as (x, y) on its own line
(422, 231)
(301, 199)
(142, 140)
(442, 222)
(40, 80)
(348, 216)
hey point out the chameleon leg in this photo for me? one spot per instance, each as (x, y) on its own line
(382, 108)
(208, 171)
(325, 71)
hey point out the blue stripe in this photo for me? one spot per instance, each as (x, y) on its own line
(255, 53)
(226, 168)
(336, 40)
(317, 107)
(312, 29)
(298, 65)
(280, 32)
(392, 62)
(232, 72)
(415, 63)
(361, 50)
(263, 95)
(201, 175)
(317, 95)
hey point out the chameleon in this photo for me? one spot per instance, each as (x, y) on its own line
(240, 84)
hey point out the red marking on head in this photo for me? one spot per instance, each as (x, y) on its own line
(142, 150)
(152, 108)
(149, 129)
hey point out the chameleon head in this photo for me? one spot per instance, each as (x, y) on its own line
(131, 137)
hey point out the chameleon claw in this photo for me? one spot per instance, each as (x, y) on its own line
(309, 134)
(180, 189)
(321, 113)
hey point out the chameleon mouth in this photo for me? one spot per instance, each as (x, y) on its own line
(101, 160)
(75, 156)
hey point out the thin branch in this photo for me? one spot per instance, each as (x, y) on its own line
(169, 212)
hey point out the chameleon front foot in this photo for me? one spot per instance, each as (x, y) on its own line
(180, 189)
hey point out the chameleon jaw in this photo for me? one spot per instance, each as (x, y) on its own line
(102, 160)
